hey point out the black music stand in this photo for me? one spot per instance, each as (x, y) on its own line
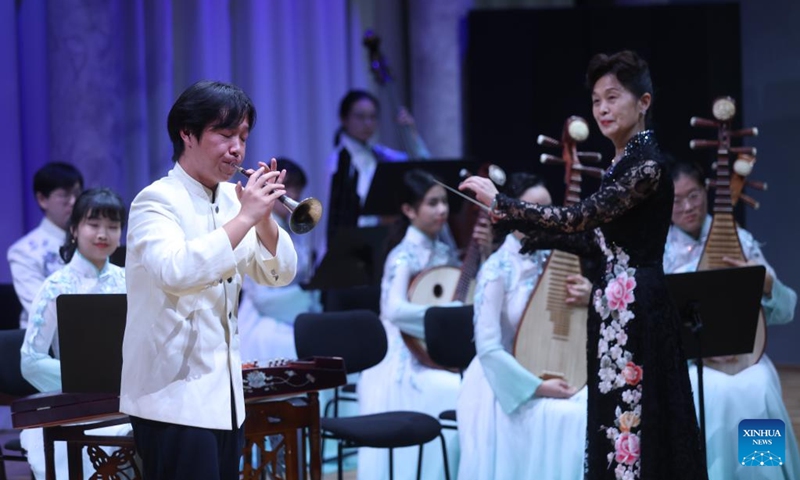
(353, 259)
(719, 311)
(383, 197)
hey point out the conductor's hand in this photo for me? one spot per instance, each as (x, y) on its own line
(259, 194)
(555, 388)
(579, 290)
(484, 189)
(767, 276)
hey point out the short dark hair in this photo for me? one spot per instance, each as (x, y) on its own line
(55, 175)
(207, 103)
(92, 203)
(685, 167)
(630, 69)
(295, 175)
(519, 182)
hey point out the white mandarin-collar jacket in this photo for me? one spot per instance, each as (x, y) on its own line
(181, 347)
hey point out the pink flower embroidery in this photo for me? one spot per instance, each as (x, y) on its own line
(619, 291)
(627, 448)
(632, 373)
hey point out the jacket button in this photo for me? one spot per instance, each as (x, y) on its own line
(216, 209)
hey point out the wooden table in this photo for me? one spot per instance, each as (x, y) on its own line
(281, 399)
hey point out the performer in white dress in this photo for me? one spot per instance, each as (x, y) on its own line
(400, 381)
(754, 393)
(511, 423)
(95, 227)
(350, 177)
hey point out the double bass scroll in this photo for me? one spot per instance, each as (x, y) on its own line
(383, 76)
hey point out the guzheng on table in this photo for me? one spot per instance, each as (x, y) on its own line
(63, 415)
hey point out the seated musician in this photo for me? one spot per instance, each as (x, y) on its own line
(266, 314)
(34, 257)
(511, 423)
(94, 230)
(350, 182)
(754, 393)
(400, 381)
(358, 114)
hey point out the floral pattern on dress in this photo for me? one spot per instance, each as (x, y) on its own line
(618, 369)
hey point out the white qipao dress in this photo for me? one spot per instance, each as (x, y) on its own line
(44, 371)
(400, 382)
(504, 431)
(753, 393)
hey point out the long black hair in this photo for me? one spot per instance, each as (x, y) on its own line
(92, 203)
(416, 184)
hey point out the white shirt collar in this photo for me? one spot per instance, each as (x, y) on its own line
(52, 229)
(85, 268)
(193, 186)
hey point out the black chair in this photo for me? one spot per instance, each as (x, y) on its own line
(359, 338)
(12, 386)
(10, 307)
(362, 297)
(449, 338)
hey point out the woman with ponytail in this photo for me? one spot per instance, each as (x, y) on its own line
(93, 234)
(400, 382)
(351, 166)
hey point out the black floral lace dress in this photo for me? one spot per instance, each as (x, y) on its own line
(641, 419)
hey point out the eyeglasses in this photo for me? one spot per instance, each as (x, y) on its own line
(692, 199)
(65, 195)
(364, 117)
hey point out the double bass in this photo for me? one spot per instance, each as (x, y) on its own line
(551, 337)
(383, 76)
(723, 238)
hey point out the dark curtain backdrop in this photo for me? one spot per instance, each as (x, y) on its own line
(525, 71)
(534, 63)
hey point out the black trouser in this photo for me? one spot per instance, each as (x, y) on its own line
(178, 452)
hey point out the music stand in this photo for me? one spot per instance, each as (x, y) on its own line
(719, 312)
(90, 331)
(353, 259)
(383, 197)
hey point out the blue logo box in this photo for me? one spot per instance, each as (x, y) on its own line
(762, 443)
